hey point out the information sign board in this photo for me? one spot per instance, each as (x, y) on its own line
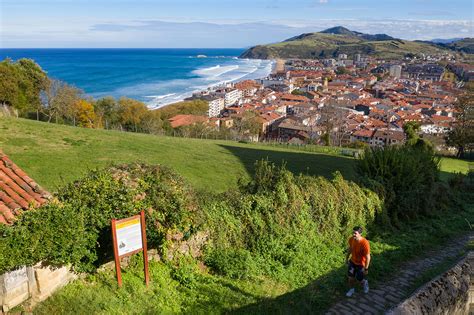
(129, 237)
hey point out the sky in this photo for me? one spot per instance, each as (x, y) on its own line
(219, 24)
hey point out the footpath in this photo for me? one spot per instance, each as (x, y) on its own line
(384, 296)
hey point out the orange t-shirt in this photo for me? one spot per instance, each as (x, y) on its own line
(359, 249)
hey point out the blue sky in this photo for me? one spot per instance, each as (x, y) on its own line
(224, 23)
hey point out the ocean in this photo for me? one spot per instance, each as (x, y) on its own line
(156, 77)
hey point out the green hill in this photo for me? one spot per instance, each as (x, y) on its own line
(465, 45)
(339, 40)
(54, 154)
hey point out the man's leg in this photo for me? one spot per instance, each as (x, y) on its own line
(361, 278)
(351, 279)
(351, 282)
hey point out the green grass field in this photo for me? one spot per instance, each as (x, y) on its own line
(55, 154)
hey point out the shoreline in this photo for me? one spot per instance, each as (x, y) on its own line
(275, 65)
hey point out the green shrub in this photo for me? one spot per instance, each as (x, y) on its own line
(56, 234)
(77, 230)
(404, 176)
(185, 272)
(235, 263)
(284, 226)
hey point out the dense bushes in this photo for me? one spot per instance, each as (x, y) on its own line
(76, 228)
(55, 234)
(290, 228)
(405, 176)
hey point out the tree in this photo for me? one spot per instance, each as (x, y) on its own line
(84, 114)
(298, 92)
(152, 123)
(131, 113)
(462, 134)
(412, 129)
(21, 83)
(59, 101)
(333, 124)
(35, 80)
(341, 70)
(9, 88)
(247, 125)
(107, 112)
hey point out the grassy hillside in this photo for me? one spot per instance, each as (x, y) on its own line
(50, 152)
(54, 154)
(465, 45)
(327, 45)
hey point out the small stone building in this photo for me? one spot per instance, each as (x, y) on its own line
(19, 193)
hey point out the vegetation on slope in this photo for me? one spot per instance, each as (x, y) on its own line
(55, 155)
(465, 45)
(270, 235)
(332, 42)
(275, 234)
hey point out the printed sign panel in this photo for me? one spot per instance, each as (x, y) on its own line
(129, 236)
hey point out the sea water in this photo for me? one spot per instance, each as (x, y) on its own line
(155, 76)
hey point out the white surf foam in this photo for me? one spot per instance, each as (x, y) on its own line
(162, 93)
(215, 71)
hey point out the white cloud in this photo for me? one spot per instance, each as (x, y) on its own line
(192, 33)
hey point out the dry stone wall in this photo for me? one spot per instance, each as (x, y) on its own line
(450, 293)
(36, 282)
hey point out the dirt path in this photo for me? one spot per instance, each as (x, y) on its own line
(386, 295)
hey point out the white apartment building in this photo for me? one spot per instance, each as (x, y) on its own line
(216, 105)
(232, 96)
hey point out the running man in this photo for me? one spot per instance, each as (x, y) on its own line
(359, 251)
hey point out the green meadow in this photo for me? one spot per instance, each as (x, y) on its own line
(55, 154)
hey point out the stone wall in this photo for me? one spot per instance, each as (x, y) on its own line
(36, 282)
(450, 293)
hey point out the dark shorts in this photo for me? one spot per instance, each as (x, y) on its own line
(355, 271)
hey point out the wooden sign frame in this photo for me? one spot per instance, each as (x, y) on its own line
(117, 257)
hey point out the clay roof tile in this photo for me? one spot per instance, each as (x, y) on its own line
(17, 191)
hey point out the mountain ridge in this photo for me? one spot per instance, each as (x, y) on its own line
(333, 41)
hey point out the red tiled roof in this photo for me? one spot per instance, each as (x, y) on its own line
(185, 120)
(438, 119)
(292, 97)
(17, 191)
(363, 133)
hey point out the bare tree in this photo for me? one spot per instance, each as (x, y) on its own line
(58, 100)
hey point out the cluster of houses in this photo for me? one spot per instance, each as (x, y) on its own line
(353, 100)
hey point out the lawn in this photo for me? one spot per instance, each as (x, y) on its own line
(54, 155)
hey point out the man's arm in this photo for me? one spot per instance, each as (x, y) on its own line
(367, 261)
(348, 253)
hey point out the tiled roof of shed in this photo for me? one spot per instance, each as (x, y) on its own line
(17, 191)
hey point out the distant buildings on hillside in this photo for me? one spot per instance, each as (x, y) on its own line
(358, 100)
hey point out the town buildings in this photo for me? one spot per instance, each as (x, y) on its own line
(369, 102)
